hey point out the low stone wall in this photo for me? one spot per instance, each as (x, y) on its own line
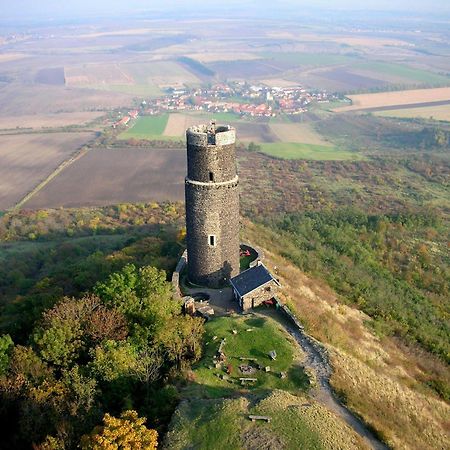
(259, 253)
(176, 274)
(314, 343)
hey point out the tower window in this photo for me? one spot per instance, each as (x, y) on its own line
(211, 176)
(212, 240)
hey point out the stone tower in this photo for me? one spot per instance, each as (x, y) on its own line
(212, 205)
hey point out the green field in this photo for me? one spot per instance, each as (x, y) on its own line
(293, 150)
(310, 59)
(406, 72)
(264, 336)
(146, 127)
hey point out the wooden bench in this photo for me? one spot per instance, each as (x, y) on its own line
(253, 418)
(249, 380)
(242, 358)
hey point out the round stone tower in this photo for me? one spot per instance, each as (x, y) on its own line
(212, 205)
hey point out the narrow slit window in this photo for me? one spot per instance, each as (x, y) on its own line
(212, 240)
(211, 176)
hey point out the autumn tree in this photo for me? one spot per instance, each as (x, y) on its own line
(126, 432)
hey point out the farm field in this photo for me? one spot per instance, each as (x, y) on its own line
(104, 177)
(48, 120)
(396, 98)
(294, 150)
(174, 125)
(45, 99)
(139, 79)
(299, 133)
(146, 127)
(28, 159)
(309, 59)
(399, 73)
(441, 112)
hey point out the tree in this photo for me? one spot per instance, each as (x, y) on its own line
(127, 432)
(6, 346)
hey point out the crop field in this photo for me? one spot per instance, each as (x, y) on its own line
(7, 57)
(344, 79)
(140, 78)
(45, 99)
(396, 98)
(26, 160)
(104, 177)
(302, 133)
(48, 120)
(441, 112)
(401, 73)
(309, 59)
(146, 127)
(247, 69)
(294, 150)
(52, 76)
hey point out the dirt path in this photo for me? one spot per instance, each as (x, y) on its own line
(323, 393)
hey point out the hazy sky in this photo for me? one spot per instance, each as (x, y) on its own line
(57, 8)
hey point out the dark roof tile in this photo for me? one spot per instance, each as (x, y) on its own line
(251, 279)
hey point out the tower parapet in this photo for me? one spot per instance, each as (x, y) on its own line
(212, 205)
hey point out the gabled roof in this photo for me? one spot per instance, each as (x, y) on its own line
(252, 279)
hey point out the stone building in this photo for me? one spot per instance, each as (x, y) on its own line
(254, 286)
(212, 205)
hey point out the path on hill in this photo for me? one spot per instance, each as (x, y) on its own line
(318, 362)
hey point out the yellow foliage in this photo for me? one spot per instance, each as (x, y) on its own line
(125, 433)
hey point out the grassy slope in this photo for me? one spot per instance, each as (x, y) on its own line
(297, 423)
(380, 378)
(294, 150)
(214, 414)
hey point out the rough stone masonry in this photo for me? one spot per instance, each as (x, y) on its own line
(212, 205)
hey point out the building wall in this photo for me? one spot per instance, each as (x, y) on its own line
(255, 298)
(212, 207)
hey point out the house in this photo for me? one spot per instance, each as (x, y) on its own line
(254, 286)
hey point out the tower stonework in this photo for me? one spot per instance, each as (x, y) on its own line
(212, 205)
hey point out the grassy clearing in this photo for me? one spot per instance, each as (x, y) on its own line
(146, 127)
(406, 72)
(441, 112)
(265, 335)
(295, 150)
(296, 423)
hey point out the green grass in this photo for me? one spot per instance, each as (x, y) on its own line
(310, 59)
(293, 150)
(146, 127)
(224, 425)
(265, 335)
(406, 72)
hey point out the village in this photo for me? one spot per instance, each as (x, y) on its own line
(242, 98)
